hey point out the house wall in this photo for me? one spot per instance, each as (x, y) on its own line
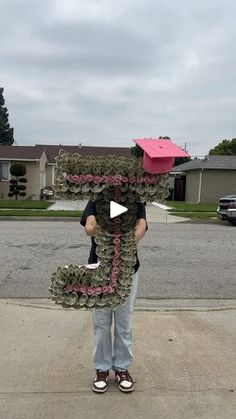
(43, 161)
(217, 184)
(33, 184)
(49, 175)
(192, 186)
(42, 166)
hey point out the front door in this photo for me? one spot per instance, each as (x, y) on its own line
(180, 187)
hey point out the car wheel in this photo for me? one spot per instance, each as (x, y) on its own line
(232, 222)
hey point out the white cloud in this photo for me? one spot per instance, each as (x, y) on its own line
(104, 72)
(93, 10)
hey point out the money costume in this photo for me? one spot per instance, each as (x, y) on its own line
(126, 181)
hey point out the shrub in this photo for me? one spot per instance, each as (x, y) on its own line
(16, 189)
(17, 169)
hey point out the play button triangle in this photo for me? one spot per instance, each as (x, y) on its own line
(116, 209)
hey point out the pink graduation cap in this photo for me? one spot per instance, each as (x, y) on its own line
(159, 154)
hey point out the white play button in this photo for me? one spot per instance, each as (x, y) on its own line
(116, 209)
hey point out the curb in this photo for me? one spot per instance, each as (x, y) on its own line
(148, 305)
(183, 221)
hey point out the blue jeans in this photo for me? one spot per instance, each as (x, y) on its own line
(120, 356)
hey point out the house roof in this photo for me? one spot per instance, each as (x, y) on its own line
(208, 163)
(53, 150)
(33, 153)
(10, 152)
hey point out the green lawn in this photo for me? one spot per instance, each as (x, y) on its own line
(24, 204)
(30, 208)
(187, 207)
(38, 213)
(193, 211)
(195, 215)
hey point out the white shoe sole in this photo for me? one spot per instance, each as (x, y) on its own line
(125, 390)
(99, 391)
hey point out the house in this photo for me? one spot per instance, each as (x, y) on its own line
(40, 163)
(34, 160)
(206, 180)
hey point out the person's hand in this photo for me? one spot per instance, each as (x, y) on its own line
(91, 226)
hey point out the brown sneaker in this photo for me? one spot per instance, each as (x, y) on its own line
(100, 381)
(125, 381)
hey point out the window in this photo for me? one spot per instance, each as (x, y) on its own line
(4, 170)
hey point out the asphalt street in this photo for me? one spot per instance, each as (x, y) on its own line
(177, 260)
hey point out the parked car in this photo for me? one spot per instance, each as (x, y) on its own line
(227, 209)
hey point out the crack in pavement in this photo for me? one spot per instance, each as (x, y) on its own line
(7, 277)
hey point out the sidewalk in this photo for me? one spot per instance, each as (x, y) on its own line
(184, 365)
(156, 214)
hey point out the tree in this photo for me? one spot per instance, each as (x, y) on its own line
(224, 148)
(136, 151)
(6, 132)
(181, 160)
(16, 188)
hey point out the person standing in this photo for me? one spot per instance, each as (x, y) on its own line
(117, 357)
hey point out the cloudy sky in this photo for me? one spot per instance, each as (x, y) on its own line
(103, 72)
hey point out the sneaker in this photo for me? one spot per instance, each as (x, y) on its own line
(125, 381)
(100, 381)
